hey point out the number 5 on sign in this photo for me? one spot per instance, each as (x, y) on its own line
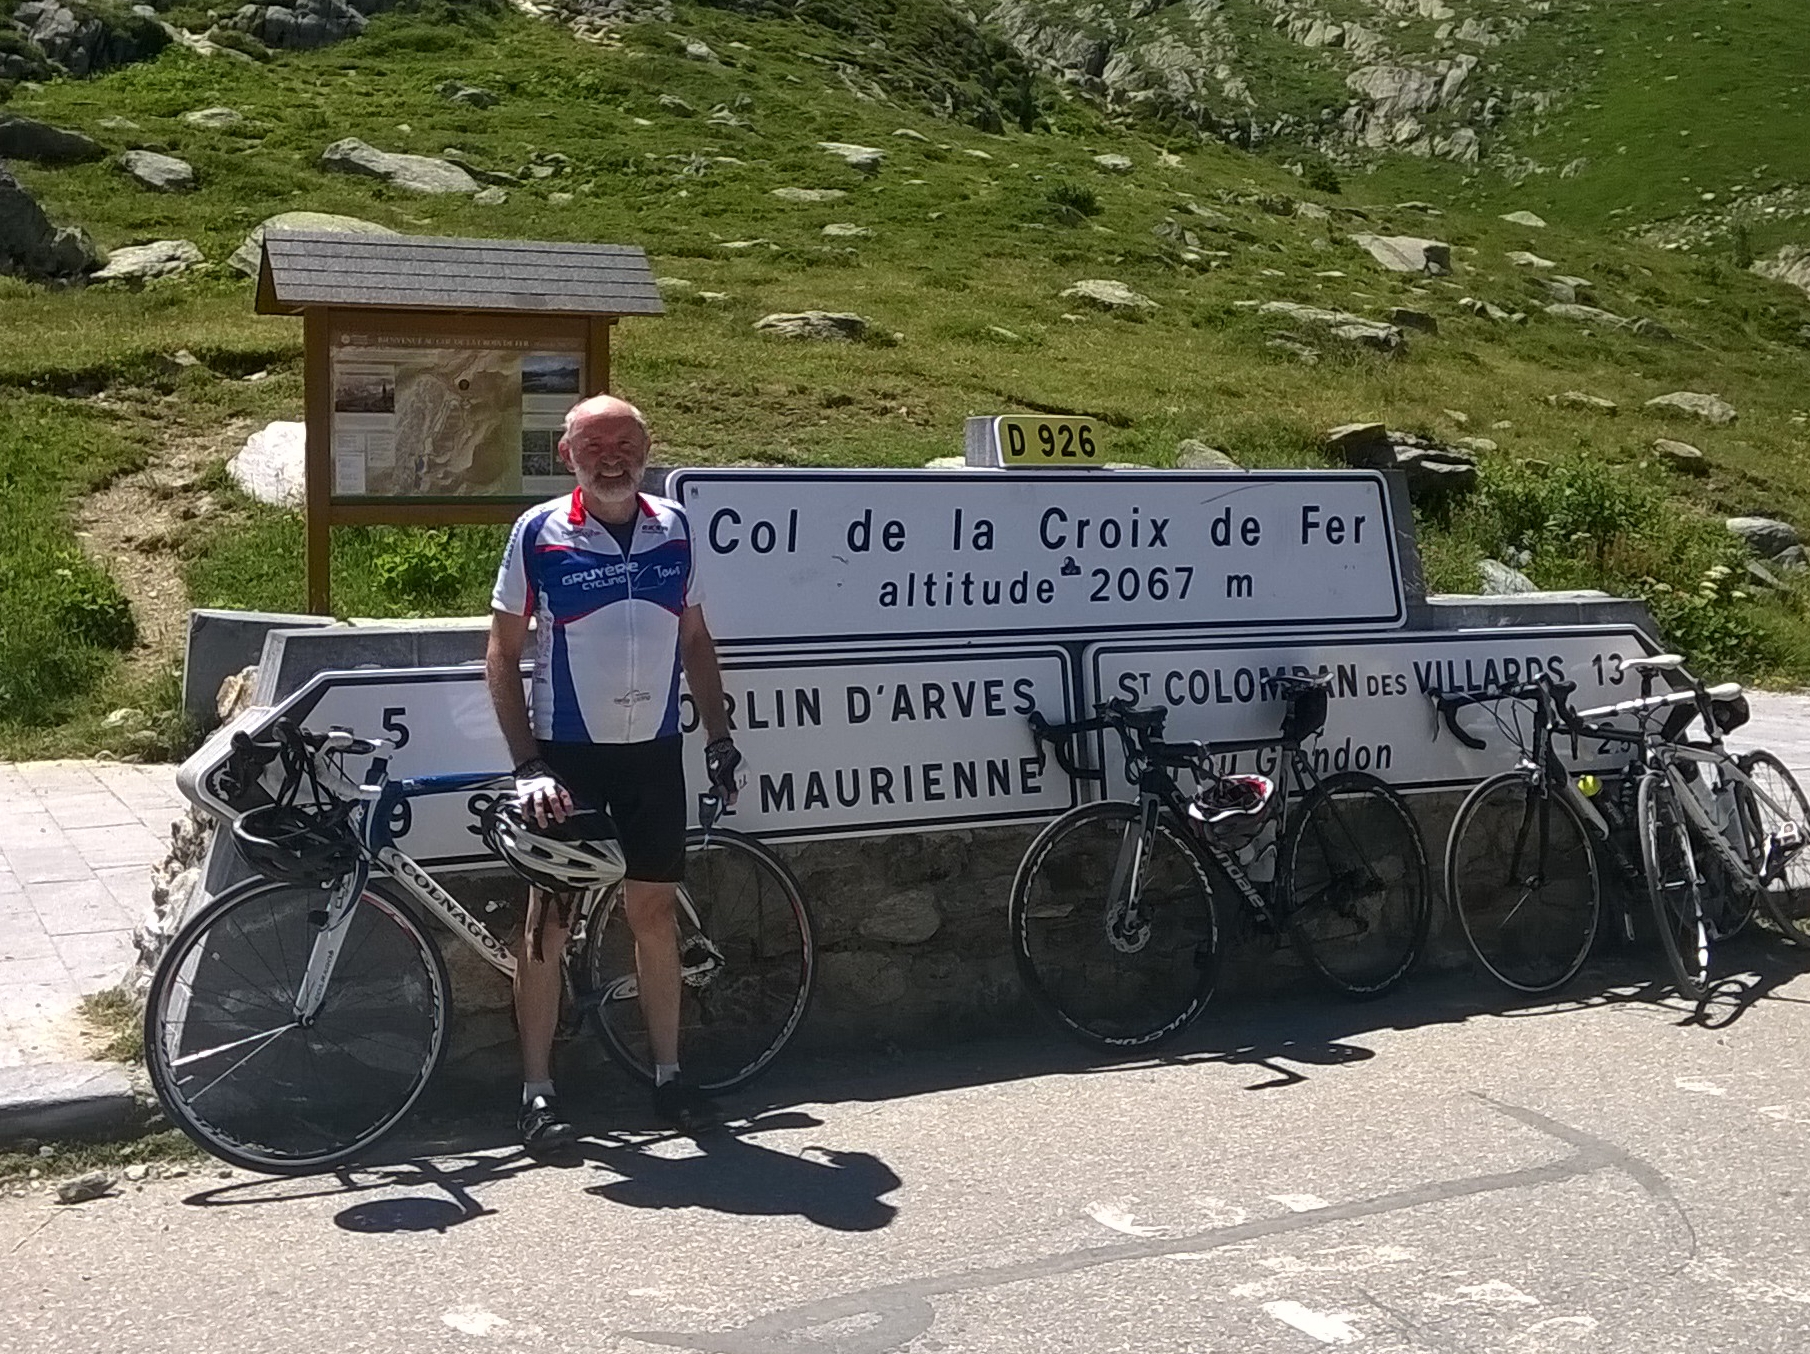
(1034, 439)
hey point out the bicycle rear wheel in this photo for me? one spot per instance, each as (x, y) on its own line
(1125, 971)
(1673, 889)
(1521, 874)
(1786, 896)
(237, 1072)
(1354, 877)
(748, 950)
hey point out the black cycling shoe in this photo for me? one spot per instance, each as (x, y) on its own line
(683, 1106)
(542, 1127)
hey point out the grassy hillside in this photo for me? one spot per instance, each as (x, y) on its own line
(974, 235)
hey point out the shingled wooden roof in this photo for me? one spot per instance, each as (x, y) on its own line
(302, 268)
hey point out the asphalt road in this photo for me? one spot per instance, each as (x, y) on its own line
(1431, 1173)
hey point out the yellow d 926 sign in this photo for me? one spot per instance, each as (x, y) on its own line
(1037, 439)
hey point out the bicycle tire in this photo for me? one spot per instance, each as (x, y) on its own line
(1670, 865)
(1786, 898)
(1354, 881)
(1534, 930)
(236, 966)
(1122, 994)
(735, 1015)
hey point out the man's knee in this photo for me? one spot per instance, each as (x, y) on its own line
(648, 906)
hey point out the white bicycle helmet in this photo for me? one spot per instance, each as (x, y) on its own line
(556, 856)
(1234, 807)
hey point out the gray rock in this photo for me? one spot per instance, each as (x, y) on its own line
(1407, 253)
(865, 158)
(1433, 472)
(1682, 456)
(1477, 444)
(219, 119)
(1193, 454)
(673, 104)
(1648, 328)
(861, 980)
(1501, 581)
(1591, 315)
(31, 247)
(471, 96)
(139, 263)
(64, 1100)
(1767, 537)
(909, 134)
(1791, 559)
(1114, 164)
(80, 42)
(1524, 219)
(1404, 318)
(490, 197)
(39, 142)
(84, 1187)
(830, 326)
(1522, 259)
(1578, 399)
(160, 173)
(808, 195)
(1791, 265)
(1712, 409)
(902, 918)
(846, 230)
(1361, 444)
(1108, 295)
(696, 49)
(271, 466)
(1558, 290)
(1304, 354)
(1342, 324)
(416, 173)
(305, 23)
(247, 256)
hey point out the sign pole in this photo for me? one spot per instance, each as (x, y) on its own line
(318, 457)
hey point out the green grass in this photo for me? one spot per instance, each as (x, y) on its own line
(962, 246)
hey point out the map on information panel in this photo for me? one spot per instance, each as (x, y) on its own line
(449, 417)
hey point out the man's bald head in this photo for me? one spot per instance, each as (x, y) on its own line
(604, 409)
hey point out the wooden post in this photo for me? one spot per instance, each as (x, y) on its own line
(317, 382)
(597, 356)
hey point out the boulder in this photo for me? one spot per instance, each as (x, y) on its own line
(1791, 265)
(247, 256)
(1477, 444)
(808, 195)
(305, 23)
(270, 467)
(141, 262)
(826, 325)
(1522, 259)
(217, 119)
(1767, 537)
(1681, 456)
(1602, 319)
(1501, 581)
(678, 107)
(1109, 295)
(1591, 404)
(159, 173)
(1352, 328)
(1407, 254)
(846, 230)
(491, 196)
(1647, 328)
(1488, 310)
(865, 158)
(39, 142)
(1524, 219)
(1193, 454)
(31, 247)
(84, 42)
(1434, 472)
(416, 173)
(1712, 409)
(1114, 164)
(471, 96)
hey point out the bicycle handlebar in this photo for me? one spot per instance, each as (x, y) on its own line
(1140, 730)
(1552, 695)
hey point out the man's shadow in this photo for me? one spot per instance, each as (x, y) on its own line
(832, 1188)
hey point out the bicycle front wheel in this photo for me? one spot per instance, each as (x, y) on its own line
(748, 952)
(1520, 871)
(1116, 936)
(1354, 880)
(239, 1073)
(1673, 888)
(1783, 865)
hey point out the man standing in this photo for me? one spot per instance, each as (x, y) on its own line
(606, 575)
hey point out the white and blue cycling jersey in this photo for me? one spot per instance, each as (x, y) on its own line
(606, 658)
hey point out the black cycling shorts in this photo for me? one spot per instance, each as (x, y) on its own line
(642, 787)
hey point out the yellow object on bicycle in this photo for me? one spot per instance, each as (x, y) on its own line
(1588, 785)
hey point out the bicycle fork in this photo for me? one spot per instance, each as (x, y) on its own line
(1127, 929)
(331, 923)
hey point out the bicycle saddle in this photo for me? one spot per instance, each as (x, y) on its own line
(1659, 662)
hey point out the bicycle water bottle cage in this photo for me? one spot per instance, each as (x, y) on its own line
(579, 854)
(1308, 699)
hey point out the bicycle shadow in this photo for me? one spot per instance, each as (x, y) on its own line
(724, 1172)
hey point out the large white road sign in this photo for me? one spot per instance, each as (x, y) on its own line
(799, 556)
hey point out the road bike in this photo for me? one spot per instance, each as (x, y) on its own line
(1117, 907)
(294, 1022)
(1703, 834)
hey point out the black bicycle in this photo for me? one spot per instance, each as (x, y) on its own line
(1116, 908)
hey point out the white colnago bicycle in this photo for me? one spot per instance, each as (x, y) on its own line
(296, 1019)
